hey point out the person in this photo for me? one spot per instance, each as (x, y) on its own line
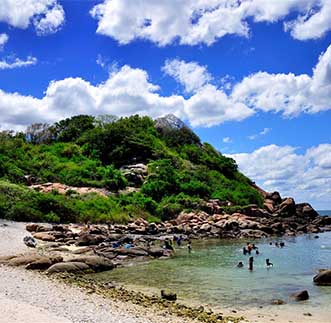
(276, 244)
(254, 247)
(282, 244)
(270, 243)
(240, 264)
(167, 245)
(249, 248)
(250, 263)
(268, 263)
(257, 251)
(245, 251)
(179, 241)
(189, 246)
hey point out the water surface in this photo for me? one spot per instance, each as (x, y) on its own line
(209, 275)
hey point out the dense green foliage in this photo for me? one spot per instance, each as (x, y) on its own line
(88, 151)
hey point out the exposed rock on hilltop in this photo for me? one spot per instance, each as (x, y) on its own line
(169, 121)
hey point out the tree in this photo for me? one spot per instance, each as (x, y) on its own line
(39, 133)
(71, 129)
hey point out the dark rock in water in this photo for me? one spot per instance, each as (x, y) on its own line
(278, 302)
(72, 267)
(90, 239)
(323, 278)
(169, 296)
(96, 263)
(300, 296)
(30, 242)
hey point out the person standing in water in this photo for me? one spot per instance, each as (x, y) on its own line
(189, 246)
(250, 263)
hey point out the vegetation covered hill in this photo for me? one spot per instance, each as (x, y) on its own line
(87, 151)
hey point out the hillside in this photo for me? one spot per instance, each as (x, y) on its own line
(143, 168)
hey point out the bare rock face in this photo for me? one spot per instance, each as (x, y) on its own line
(135, 174)
(87, 239)
(169, 121)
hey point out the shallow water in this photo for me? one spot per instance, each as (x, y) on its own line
(209, 275)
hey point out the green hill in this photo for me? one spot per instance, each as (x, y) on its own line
(181, 173)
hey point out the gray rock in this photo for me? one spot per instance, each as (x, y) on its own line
(30, 241)
(169, 296)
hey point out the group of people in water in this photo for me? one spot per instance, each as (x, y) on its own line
(249, 248)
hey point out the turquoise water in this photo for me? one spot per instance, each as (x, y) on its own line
(209, 275)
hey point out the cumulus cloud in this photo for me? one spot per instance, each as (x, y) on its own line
(191, 75)
(227, 140)
(3, 40)
(47, 16)
(11, 63)
(288, 93)
(127, 91)
(306, 177)
(198, 21)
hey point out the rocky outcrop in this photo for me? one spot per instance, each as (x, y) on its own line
(323, 277)
(135, 174)
(66, 189)
(169, 296)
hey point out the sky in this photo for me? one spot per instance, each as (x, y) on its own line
(251, 77)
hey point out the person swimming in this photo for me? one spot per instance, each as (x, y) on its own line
(282, 244)
(245, 251)
(268, 263)
(257, 251)
(249, 248)
(240, 264)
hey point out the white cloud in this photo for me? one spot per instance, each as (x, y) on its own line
(227, 140)
(261, 133)
(306, 177)
(199, 21)
(313, 24)
(12, 63)
(46, 15)
(191, 75)
(128, 91)
(288, 93)
(3, 40)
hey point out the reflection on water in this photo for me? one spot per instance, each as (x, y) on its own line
(209, 274)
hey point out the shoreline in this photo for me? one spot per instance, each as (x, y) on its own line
(68, 297)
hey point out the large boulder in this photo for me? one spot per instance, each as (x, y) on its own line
(287, 207)
(96, 263)
(87, 239)
(24, 260)
(44, 236)
(305, 210)
(71, 267)
(323, 277)
(33, 227)
(167, 295)
(300, 296)
(275, 197)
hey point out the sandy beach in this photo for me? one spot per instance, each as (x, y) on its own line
(28, 297)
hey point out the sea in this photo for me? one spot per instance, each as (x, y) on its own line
(209, 276)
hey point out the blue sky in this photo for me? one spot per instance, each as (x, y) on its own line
(239, 72)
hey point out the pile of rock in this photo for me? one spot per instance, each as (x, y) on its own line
(66, 189)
